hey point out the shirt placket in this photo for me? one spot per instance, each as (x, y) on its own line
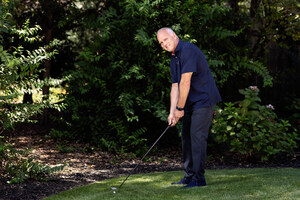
(178, 69)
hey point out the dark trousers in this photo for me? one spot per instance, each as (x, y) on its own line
(194, 133)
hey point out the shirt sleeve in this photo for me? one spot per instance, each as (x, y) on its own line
(189, 60)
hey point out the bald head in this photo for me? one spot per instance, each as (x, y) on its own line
(167, 29)
(167, 38)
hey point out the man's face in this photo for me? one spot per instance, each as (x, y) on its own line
(167, 41)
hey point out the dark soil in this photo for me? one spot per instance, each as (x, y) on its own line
(87, 167)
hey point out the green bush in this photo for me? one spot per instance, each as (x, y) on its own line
(20, 69)
(120, 87)
(293, 110)
(100, 112)
(19, 165)
(252, 129)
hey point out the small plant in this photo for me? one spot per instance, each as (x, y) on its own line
(253, 129)
(294, 112)
(19, 165)
(59, 134)
(65, 148)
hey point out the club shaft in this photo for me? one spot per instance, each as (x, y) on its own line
(144, 156)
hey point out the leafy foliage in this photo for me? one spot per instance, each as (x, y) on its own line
(120, 85)
(19, 165)
(252, 129)
(19, 73)
(121, 82)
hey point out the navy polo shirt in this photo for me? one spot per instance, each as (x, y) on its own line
(203, 90)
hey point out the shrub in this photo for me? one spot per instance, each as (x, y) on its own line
(252, 129)
(121, 84)
(20, 68)
(19, 165)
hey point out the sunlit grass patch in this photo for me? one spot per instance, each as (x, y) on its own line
(261, 183)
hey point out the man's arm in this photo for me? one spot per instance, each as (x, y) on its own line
(184, 89)
(173, 102)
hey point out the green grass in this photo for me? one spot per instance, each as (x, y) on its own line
(260, 183)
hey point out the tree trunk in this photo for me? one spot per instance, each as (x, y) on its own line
(48, 7)
(255, 29)
(254, 7)
(27, 98)
(47, 65)
(234, 5)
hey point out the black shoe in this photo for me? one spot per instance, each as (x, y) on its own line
(183, 181)
(195, 184)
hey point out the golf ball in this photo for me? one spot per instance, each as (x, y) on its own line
(114, 192)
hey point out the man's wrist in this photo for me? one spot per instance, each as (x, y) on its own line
(179, 108)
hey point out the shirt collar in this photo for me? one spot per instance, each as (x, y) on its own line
(178, 48)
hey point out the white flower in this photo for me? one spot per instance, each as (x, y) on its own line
(253, 88)
(270, 106)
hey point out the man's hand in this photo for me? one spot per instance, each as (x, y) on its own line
(171, 119)
(178, 115)
(174, 118)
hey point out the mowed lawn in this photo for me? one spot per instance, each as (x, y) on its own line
(257, 183)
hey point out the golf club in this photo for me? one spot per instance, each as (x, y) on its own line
(116, 188)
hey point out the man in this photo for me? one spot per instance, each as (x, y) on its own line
(193, 98)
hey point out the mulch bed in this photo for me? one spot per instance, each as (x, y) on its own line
(87, 167)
